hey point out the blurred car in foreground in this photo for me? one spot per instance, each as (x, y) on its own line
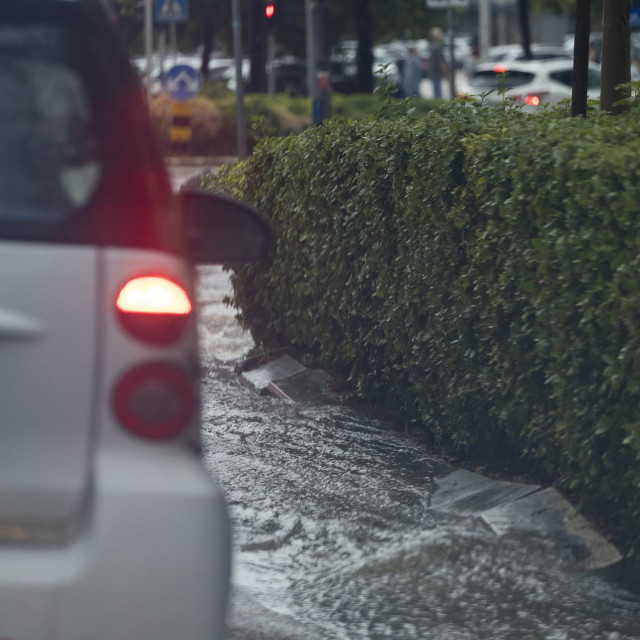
(531, 84)
(110, 527)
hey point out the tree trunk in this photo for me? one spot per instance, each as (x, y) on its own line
(258, 49)
(525, 29)
(364, 53)
(208, 20)
(616, 54)
(581, 58)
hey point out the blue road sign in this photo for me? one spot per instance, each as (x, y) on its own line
(635, 17)
(182, 82)
(171, 10)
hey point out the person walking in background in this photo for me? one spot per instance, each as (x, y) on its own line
(411, 74)
(437, 66)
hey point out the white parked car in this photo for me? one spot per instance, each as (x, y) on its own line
(532, 84)
(511, 52)
(110, 527)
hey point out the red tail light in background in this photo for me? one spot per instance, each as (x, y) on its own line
(532, 99)
(154, 309)
(155, 401)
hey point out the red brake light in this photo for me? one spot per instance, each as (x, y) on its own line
(269, 10)
(154, 309)
(532, 99)
(153, 295)
(155, 401)
(500, 68)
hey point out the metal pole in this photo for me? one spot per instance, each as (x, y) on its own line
(484, 29)
(310, 48)
(148, 40)
(237, 52)
(173, 41)
(271, 54)
(162, 54)
(319, 75)
(452, 58)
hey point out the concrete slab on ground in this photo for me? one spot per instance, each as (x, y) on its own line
(287, 378)
(547, 513)
(516, 508)
(466, 492)
(272, 371)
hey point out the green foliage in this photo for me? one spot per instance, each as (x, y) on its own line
(476, 269)
(277, 115)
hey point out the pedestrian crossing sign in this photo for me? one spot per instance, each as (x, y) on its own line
(171, 10)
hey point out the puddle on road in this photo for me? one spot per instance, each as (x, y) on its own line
(334, 536)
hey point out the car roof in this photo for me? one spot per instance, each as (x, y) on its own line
(538, 46)
(528, 65)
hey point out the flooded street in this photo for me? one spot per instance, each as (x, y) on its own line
(335, 536)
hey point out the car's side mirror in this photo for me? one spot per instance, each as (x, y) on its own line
(220, 230)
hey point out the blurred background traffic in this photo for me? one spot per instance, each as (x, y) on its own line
(380, 33)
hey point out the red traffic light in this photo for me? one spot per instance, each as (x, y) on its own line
(270, 10)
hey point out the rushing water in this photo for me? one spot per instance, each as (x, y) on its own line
(335, 538)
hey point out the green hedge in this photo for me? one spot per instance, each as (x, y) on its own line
(478, 270)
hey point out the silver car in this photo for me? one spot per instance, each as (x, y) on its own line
(110, 527)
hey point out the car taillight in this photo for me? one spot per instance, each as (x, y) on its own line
(154, 309)
(532, 99)
(155, 400)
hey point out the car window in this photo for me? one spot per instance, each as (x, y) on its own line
(49, 164)
(565, 76)
(499, 79)
(548, 55)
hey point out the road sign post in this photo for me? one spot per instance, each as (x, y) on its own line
(181, 131)
(171, 10)
(182, 83)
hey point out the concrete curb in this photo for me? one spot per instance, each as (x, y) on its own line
(503, 507)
